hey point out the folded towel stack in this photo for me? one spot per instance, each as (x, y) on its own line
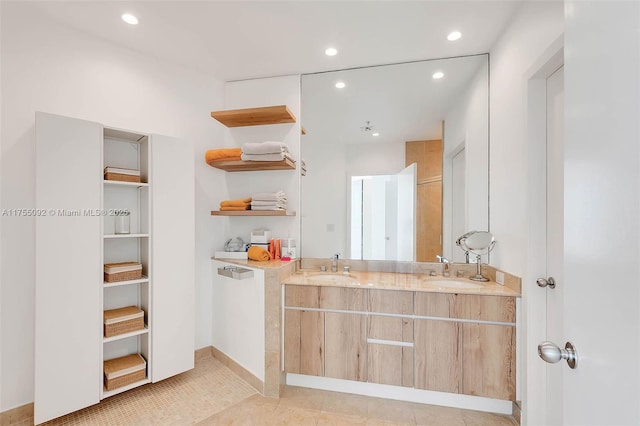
(224, 154)
(236, 205)
(265, 151)
(269, 201)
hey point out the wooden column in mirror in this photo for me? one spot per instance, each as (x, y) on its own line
(428, 157)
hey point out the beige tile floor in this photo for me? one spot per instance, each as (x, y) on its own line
(211, 394)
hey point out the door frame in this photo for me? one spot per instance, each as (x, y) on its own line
(533, 374)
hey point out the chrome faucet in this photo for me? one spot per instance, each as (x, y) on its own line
(334, 262)
(445, 270)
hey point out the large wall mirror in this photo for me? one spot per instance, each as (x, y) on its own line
(396, 159)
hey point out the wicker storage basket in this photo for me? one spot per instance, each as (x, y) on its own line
(123, 271)
(124, 175)
(123, 371)
(123, 320)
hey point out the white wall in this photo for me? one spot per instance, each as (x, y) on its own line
(467, 123)
(47, 67)
(257, 93)
(534, 27)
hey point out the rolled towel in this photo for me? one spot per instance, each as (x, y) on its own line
(265, 157)
(236, 203)
(258, 253)
(264, 147)
(223, 154)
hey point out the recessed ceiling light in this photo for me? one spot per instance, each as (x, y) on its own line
(130, 19)
(438, 75)
(454, 35)
(375, 134)
(331, 51)
(340, 85)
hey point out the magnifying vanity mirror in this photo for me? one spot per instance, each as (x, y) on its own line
(396, 159)
(478, 243)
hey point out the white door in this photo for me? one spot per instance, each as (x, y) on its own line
(407, 181)
(68, 329)
(555, 240)
(172, 279)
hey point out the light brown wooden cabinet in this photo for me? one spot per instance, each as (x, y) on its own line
(309, 349)
(466, 357)
(403, 338)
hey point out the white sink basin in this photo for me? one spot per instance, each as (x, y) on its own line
(336, 278)
(453, 284)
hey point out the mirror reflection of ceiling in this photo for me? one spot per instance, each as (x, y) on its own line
(402, 102)
(233, 40)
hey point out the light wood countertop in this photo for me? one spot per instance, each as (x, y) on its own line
(400, 281)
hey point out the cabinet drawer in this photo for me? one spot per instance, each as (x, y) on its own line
(302, 296)
(390, 328)
(391, 301)
(347, 299)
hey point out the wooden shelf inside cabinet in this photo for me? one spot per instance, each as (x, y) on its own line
(253, 213)
(250, 166)
(129, 282)
(145, 330)
(277, 114)
(107, 394)
(107, 236)
(126, 184)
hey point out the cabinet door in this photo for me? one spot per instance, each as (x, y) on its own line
(304, 342)
(438, 358)
(345, 346)
(172, 244)
(68, 335)
(489, 366)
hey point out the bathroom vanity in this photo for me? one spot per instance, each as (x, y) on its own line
(410, 330)
(409, 335)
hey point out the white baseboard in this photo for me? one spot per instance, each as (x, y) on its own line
(402, 393)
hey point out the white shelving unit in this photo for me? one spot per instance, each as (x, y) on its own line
(128, 150)
(70, 291)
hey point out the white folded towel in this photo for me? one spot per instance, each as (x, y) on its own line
(282, 203)
(265, 157)
(268, 147)
(269, 196)
(268, 208)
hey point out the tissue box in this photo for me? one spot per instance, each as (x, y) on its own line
(260, 236)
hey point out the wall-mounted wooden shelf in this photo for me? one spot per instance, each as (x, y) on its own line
(277, 114)
(253, 213)
(251, 166)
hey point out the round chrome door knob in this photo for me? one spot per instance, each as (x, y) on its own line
(546, 282)
(551, 353)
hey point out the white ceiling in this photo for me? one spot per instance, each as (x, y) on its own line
(236, 40)
(402, 101)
